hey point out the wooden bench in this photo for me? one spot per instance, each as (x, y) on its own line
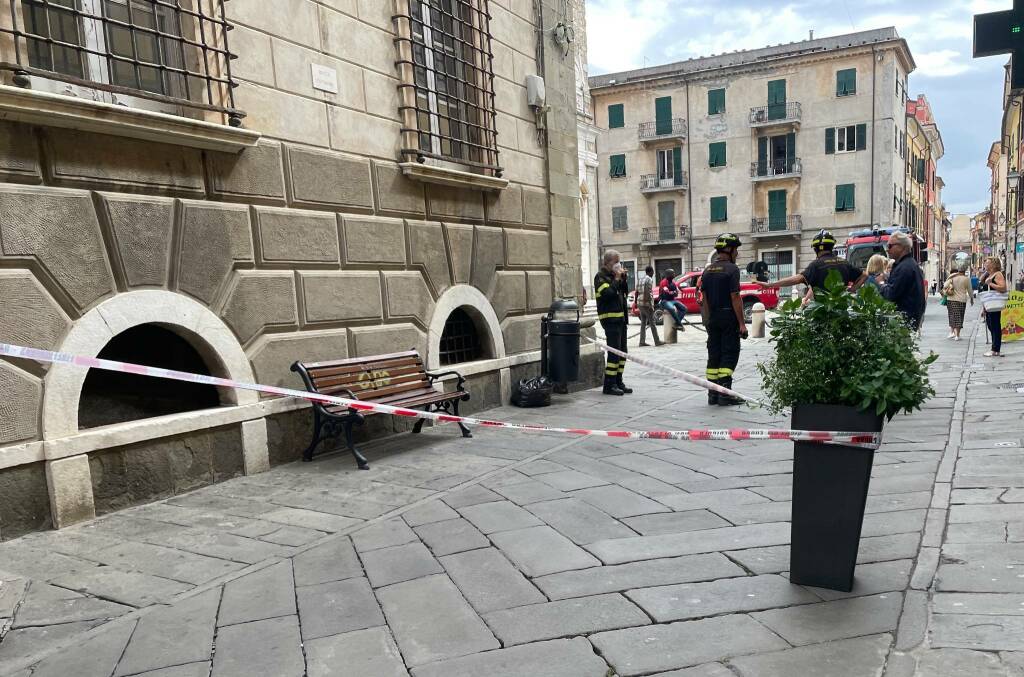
(398, 380)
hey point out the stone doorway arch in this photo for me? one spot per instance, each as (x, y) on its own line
(479, 308)
(69, 477)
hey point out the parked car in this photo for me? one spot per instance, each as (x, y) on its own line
(750, 293)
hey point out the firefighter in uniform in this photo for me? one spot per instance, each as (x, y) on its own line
(721, 305)
(826, 261)
(610, 289)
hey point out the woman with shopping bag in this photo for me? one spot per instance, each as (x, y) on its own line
(993, 301)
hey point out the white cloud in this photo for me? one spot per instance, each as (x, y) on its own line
(942, 63)
(618, 33)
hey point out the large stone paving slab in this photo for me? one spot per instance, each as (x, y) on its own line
(174, 635)
(621, 550)
(542, 550)
(641, 651)
(698, 600)
(559, 658)
(566, 618)
(648, 573)
(814, 623)
(859, 657)
(414, 610)
(489, 581)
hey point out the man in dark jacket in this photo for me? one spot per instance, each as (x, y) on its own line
(905, 285)
(610, 288)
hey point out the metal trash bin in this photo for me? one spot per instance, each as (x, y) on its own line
(560, 342)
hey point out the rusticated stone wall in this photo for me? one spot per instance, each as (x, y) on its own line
(288, 266)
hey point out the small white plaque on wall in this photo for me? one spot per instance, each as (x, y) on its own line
(325, 79)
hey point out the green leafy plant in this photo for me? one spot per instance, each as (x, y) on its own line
(847, 349)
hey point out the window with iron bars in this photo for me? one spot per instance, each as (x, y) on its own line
(164, 55)
(460, 340)
(447, 83)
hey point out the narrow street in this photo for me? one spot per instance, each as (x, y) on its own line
(515, 554)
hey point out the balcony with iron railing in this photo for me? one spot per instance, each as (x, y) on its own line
(788, 113)
(780, 168)
(769, 226)
(668, 234)
(652, 183)
(673, 129)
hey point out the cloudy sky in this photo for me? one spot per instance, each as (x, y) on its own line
(965, 93)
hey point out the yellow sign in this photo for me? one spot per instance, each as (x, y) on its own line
(1013, 317)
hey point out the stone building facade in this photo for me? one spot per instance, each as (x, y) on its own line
(772, 144)
(357, 183)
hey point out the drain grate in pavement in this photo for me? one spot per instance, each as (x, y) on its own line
(1019, 387)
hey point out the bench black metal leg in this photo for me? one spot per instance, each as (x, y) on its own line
(318, 427)
(462, 426)
(419, 425)
(360, 459)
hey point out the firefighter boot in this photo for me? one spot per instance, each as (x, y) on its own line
(622, 386)
(713, 394)
(728, 400)
(611, 387)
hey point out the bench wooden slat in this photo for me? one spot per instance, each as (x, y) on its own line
(356, 361)
(404, 402)
(355, 379)
(369, 394)
(350, 368)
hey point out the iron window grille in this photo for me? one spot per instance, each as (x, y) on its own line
(460, 341)
(173, 53)
(447, 100)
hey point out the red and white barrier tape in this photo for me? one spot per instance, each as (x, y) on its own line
(681, 375)
(863, 439)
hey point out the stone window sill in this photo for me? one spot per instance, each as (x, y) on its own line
(56, 110)
(452, 177)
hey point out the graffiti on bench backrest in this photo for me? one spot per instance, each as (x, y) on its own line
(378, 378)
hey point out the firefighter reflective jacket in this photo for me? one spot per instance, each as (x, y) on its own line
(610, 295)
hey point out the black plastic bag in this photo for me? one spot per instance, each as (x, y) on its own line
(532, 392)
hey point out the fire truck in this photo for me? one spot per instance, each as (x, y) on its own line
(863, 244)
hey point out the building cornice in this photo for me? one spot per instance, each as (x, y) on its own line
(644, 79)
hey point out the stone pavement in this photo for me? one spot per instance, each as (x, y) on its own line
(537, 555)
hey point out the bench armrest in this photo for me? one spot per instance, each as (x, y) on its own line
(435, 375)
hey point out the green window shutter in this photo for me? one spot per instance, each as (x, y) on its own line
(719, 209)
(677, 165)
(619, 218)
(617, 166)
(663, 115)
(845, 197)
(862, 137)
(616, 116)
(717, 154)
(762, 156)
(777, 91)
(790, 149)
(846, 82)
(716, 101)
(830, 141)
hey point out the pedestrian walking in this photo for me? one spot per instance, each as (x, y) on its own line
(721, 304)
(610, 288)
(645, 304)
(825, 262)
(957, 292)
(905, 283)
(668, 298)
(993, 301)
(876, 270)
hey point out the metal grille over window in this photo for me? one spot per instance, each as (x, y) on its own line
(446, 66)
(460, 341)
(163, 55)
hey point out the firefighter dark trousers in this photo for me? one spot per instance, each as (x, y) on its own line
(615, 334)
(723, 346)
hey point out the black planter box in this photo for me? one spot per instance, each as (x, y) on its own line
(830, 488)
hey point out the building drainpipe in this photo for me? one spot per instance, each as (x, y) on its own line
(689, 174)
(874, 98)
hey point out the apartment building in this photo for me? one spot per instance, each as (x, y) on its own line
(227, 187)
(772, 144)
